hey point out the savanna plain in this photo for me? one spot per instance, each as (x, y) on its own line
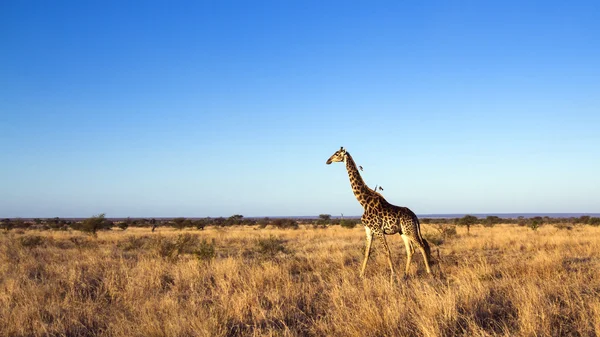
(504, 280)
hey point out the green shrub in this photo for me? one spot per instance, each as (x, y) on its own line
(262, 223)
(6, 224)
(32, 241)
(435, 239)
(172, 248)
(133, 242)
(584, 219)
(123, 225)
(491, 221)
(94, 224)
(594, 221)
(270, 246)
(205, 250)
(285, 223)
(83, 242)
(446, 231)
(324, 219)
(467, 221)
(201, 223)
(179, 223)
(346, 223)
(535, 223)
(561, 225)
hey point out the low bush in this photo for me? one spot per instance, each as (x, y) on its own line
(205, 250)
(270, 246)
(31, 241)
(346, 223)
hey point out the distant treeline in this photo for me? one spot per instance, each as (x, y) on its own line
(99, 222)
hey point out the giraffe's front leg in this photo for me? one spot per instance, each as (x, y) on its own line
(381, 237)
(369, 240)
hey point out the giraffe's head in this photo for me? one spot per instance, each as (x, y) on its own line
(339, 155)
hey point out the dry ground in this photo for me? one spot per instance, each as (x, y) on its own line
(506, 280)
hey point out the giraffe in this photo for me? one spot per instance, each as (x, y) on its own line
(381, 218)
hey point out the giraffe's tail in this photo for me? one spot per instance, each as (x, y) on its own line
(427, 251)
(425, 244)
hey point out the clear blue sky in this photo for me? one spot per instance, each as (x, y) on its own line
(212, 108)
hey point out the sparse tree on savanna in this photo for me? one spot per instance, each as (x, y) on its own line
(19, 223)
(594, 221)
(201, 223)
(491, 221)
(468, 221)
(94, 224)
(235, 219)
(220, 221)
(535, 222)
(262, 223)
(6, 224)
(583, 219)
(324, 219)
(285, 223)
(179, 223)
(348, 223)
(125, 223)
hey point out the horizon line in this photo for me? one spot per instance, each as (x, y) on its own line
(425, 215)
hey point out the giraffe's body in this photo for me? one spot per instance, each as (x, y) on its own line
(381, 218)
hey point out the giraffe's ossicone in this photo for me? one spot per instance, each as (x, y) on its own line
(381, 218)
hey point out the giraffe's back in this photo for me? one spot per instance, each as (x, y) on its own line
(393, 219)
(403, 218)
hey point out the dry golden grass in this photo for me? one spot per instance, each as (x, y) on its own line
(506, 280)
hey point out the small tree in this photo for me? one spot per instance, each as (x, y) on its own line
(584, 219)
(491, 221)
(594, 221)
(535, 222)
(348, 223)
(468, 221)
(125, 224)
(19, 223)
(188, 223)
(262, 223)
(6, 224)
(285, 223)
(93, 224)
(153, 223)
(201, 223)
(220, 221)
(235, 219)
(179, 223)
(324, 219)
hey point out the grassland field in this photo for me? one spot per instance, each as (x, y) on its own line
(244, 281)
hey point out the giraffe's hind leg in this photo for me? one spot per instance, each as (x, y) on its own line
(409, 252)
(369, 240)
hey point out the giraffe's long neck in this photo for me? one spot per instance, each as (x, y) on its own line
(362, 192)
